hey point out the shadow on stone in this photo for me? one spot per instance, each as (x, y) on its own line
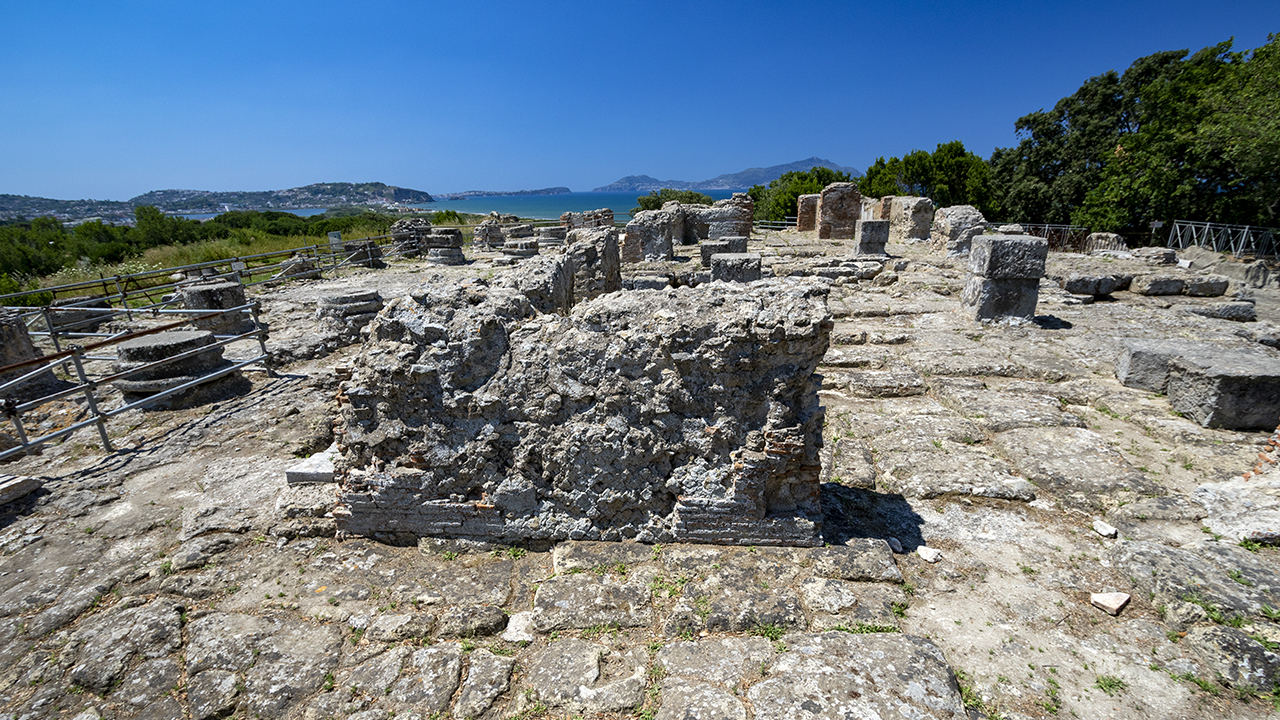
(1051, 322)
(850, 513)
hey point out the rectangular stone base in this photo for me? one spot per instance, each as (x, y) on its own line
(987, 299)
(1237, 391)
(1144, 364)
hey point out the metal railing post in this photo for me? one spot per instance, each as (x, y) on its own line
(76, 353)
(262, 341)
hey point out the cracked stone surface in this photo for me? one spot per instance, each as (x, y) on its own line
(182, 577)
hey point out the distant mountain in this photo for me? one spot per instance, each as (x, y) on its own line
(208, 201)
(502, 193)
(315, 195)
(731, 181)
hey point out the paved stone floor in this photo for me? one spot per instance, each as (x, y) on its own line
(181, 578)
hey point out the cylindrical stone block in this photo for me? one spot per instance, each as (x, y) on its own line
(217, 296)
(141, 351)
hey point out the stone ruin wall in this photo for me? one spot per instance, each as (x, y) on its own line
(685, 415)
(587, 219)
(652, 234)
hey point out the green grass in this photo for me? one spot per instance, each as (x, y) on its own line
(1110, 684)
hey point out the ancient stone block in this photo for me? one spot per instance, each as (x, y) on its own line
(1104, 241)
(1257, 274)
(546, 280)
(1234, 390)
(596, 262)
(707, 248)
(1096, 285)
(1072, 461)
(342, 315)
(735, 267)
(954, 229)
(1008, 257)
(1206, 285)
(910, 218)
(16, 347)
(837, 674)
(870, 236)
(1235, 311)
(446, 256)
(488, 234)
(988, 299)
(1156, 255)
(442, 238)
(364, 253)
(651, 234)
(588, 219)
(80, 314)
(737, 243)
(134, 354)
(504, 426)
(807, 212)
(219, 295)
(726, 218)
(839, 209)
(1144, 364)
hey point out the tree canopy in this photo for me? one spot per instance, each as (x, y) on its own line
(777, 201)
(950, 175)
(657, 198)
(1178, 135)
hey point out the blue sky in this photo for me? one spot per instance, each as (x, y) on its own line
(108, 100)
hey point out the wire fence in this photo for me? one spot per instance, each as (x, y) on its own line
(1236, 239)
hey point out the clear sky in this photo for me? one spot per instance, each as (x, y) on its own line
(107, 100)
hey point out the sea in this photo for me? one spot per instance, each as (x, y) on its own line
(550, 207)
(541, 207)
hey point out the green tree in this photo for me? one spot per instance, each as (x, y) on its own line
(777, 201)
(657, 198)
(950, 175)
(1241, 127)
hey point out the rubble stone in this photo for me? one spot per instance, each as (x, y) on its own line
(954, 229)
(910, 219)
(735, 267)
(1257, 274)
(839, 209)
(651, 235)
(16, 347)
(1144, 364)
(1111, 603)
(343, 315)
(738, 464)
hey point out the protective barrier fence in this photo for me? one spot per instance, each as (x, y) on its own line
(1236, 239)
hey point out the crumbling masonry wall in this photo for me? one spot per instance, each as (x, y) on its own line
(689, 414)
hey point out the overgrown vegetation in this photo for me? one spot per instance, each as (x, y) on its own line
(44, 252)
(657, 198)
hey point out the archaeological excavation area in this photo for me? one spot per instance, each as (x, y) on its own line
(892, 462)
